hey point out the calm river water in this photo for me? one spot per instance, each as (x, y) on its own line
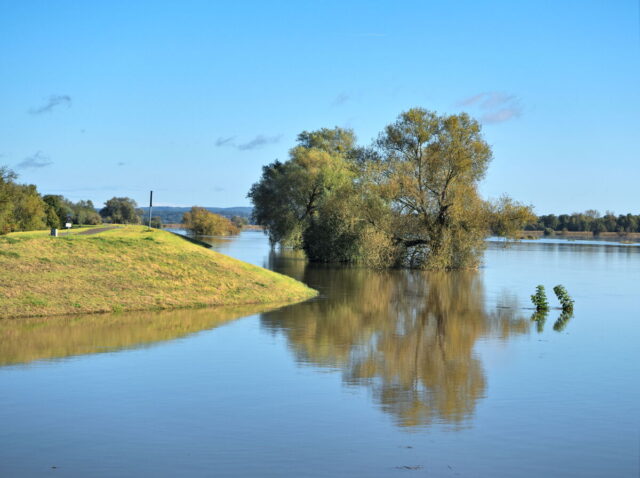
(385, 374)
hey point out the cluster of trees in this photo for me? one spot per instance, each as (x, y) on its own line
(60, 211)
(173, 214)
(22, 208)
(201, 222)
(239, 221)
(590, 220)
(121, 210)
(410, 199)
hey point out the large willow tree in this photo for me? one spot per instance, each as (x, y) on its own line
(409, 200)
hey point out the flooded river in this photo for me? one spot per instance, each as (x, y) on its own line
(392, 373)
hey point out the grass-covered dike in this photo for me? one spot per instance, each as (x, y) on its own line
(128, 268)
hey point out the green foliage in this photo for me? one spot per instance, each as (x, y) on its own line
(52, 218)
(507, 217)
(539, 299)
(21, 207)
(201, 222)
(120, 211)
(563, 296)
(61, 211)
(590, 220)
(290, 196)
(61, 207)
(239, 221)
(85, 213)
(156, 222)
(410, 200)
(336, 141)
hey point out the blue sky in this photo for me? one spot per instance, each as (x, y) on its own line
(191, 99)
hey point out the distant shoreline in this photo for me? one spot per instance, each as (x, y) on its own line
(588, 235)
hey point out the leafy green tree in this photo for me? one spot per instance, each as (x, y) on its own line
(201, 222)
(29, 208)
(120, 210)
(610, 222)
(21, 207)
(62, 208)
(288, 197)
(336, 141)
(411, 200)
(52, 219)
(84, 212)
(7, 179)
(427, 178)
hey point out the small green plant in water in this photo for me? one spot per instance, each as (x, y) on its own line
(563, 296)
(539, 299)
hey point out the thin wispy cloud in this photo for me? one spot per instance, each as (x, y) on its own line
(225, 141)
(341, 99)
(501, 115)
(496, 106)
(35, 161)
(258, 142)
(52, 102)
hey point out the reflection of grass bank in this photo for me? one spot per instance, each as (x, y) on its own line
(129, 268)
(27, 339)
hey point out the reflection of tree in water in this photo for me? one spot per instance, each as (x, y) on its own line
(409, 336)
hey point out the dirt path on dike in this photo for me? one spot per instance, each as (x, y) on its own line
(90, 232)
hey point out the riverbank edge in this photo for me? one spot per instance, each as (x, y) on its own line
(129, 269)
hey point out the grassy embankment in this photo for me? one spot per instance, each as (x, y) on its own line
(127, 268)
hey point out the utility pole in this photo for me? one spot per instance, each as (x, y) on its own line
(150, 208)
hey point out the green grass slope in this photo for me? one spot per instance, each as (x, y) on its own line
(128, 268)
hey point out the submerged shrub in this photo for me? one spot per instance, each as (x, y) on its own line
(539, 299)
(563, 296)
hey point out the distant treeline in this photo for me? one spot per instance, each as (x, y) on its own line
(23, 208)
(588, 221)
(174, 215)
